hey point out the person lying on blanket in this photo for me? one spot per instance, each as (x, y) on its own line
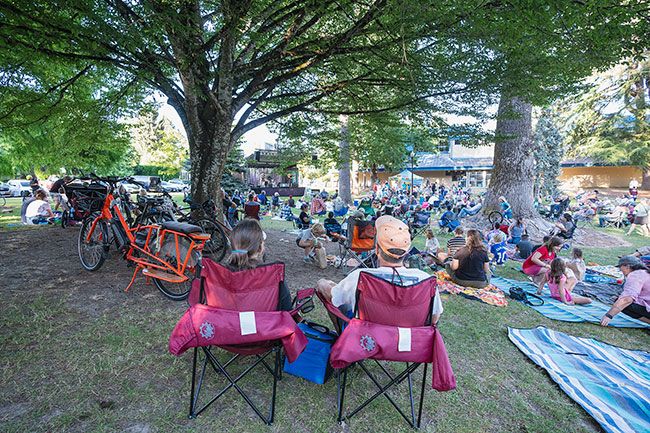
(561, 282)
(470, 267)
(539, 262)
(393, 242)
(635, 299)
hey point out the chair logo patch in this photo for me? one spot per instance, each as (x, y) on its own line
(207, 330)
(367, 343)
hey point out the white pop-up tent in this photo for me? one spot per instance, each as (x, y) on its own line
(405, 177)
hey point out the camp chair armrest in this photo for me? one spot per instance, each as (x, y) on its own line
(331, 308)
(302, 303)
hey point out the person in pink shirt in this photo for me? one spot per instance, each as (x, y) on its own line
(635, 299)
(561, 284)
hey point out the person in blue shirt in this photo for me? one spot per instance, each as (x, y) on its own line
(262, 198)
(498, 249)
(448, 219)
(506, 210)
(275, 201)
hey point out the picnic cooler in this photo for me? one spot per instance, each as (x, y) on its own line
(313, 363)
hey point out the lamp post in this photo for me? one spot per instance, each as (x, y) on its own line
(412, 165)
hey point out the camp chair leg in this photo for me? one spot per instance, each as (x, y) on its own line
(410, 382)
(196, 390)
(340, 391)
(382, 390)
(268, 367)
(275, 384)
(232, 383)
(424, 380)
(191, 414)
(386, 372)
(231, 360)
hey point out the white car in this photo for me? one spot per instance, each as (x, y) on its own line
(181, 182)
(131, 188)
(19, 187)
(171, 187)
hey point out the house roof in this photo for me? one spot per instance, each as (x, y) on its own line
(442, 161)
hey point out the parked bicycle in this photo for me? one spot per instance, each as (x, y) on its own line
(169, 253)
(163, 208)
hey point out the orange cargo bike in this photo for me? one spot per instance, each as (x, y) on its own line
(169, 253)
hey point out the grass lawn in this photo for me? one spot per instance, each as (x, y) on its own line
(10, 213)
(79, 355)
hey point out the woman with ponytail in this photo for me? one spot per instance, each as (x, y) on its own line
(247, 240)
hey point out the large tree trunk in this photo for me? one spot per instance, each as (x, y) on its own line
(645, 183)
(514, 166)
(374, 178)
(208, 155)
(344, 162)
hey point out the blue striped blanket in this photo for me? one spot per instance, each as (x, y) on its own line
(610, 383)
(556, 310)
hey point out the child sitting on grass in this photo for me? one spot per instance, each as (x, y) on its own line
(577, 264)
(561, 283)
(499, 249)
(432, 245)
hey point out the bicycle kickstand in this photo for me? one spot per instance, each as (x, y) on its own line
(135, 274)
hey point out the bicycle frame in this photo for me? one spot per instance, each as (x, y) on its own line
(150, 260)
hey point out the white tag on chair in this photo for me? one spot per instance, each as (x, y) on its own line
(247, 323)
(404, 344)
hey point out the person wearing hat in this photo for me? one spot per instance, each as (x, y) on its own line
(635, 299)
(392, 244)
(311, 240)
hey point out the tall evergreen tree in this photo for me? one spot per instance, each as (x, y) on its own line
(548, 151)
(610, 121)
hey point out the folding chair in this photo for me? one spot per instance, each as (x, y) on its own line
(419, 223)
(226, 297)
(360, 239)
(252, 211)
(386, 316)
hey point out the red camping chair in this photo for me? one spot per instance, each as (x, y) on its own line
(252, 211)
(218, 301)
(384, 313)
(360, 239)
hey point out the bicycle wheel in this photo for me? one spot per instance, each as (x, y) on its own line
(217, 246)
(93, 252)
(180, 291)
(3, 201)
(495, 217)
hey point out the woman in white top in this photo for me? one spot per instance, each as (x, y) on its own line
(39, 210)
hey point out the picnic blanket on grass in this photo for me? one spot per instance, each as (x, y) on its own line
(603, 292)
(490, 295)
(607, 270)
(556, 310)
(610, 383)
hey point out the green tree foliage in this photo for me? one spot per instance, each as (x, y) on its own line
(548, 150)
(235, 164)
(610, 120)
(228, 66)
(48, 146)
(376, 139)
(157, 142)
(62, 114)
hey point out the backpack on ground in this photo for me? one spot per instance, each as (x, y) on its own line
(519, 294)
